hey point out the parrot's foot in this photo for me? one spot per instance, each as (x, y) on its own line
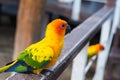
(37, 71)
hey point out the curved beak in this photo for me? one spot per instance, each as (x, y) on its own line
(68, 29)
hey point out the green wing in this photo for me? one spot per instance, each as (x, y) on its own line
(36, 57)
(91, 55)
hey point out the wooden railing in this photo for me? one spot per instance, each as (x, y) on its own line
(74, 43)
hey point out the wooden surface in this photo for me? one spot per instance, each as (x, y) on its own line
(74, 42)
(28, 24)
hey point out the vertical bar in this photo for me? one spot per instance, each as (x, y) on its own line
(76, 10)
(79, 64)
(116, 18)
(103, 56)
(105, 32)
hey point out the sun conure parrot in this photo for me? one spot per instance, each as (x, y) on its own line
(42, 54)
(94, 50)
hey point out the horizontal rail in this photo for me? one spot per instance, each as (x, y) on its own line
(74, 42)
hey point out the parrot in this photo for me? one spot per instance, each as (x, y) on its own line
(94, 50)
(42, 54)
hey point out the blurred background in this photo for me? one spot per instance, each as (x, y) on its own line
(23, 22)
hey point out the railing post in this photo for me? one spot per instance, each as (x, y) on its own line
(102, 57)
(76, 10)
(79, 63)
(116, 18)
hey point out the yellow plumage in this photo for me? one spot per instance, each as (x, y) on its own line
(51, 45)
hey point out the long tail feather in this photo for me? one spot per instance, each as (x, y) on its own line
(17, 66)
(3, 69)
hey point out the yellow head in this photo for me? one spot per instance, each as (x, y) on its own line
(57, 27)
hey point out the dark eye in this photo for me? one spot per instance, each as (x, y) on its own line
(63, 25)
